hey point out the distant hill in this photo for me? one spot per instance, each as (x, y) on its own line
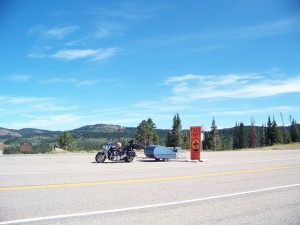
(98, 127)
(6, 133)
(91, 137)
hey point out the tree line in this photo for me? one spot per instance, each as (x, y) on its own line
(146, 133)
(239, 137)
(252, 136)
(216, 140)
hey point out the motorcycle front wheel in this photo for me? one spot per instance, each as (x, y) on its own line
(100, 157)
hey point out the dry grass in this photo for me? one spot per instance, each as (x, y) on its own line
(292, 146)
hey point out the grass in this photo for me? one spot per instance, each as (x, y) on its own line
(291, 146)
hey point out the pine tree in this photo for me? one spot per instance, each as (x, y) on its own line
(252, 135)
(175, 138)
(215, 142)
(206, 141)
(263, 136)
(243, 136)
(269, 137)
(236, 139)
(65, 141)
(169, 139)
(146, 134)
(276, 133)
(295, 133)
(286, 137)
(185, 140)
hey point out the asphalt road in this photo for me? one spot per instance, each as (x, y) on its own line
(253, 187)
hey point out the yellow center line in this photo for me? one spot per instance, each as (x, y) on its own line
(146, 179)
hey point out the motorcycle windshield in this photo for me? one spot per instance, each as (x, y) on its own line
(107, 146)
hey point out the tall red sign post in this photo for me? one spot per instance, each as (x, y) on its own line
(195, 142)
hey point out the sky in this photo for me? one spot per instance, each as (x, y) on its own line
(66, 64)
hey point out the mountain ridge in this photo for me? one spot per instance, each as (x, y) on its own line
(7, 132)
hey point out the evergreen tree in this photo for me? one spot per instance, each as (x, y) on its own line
(65, 141)
(276, 133)
(146, 134)
(206, 141)
(215, 142)
(269, 135)
(263, 136)
(185, 140)
(286, 137)
(175, 138)
(243, 136)
(295, 133)
(169, 139)
(236, 138)
(252, 135)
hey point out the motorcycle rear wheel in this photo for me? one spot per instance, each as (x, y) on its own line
(129, 159)
(100, 157)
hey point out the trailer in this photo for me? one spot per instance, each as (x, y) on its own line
(161, 152)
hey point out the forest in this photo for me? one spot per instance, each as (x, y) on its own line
(93, 137)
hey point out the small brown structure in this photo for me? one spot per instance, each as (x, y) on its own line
(25, 147)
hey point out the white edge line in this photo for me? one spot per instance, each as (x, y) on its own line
(145, 206)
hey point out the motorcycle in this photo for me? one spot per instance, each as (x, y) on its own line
(113, 153)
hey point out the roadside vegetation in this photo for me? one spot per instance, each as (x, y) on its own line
(91, 138)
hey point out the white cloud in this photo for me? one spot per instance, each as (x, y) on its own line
(45, 107)
(254, 111)
(93, 55)
(35, 104)
(36, 55)
(128, 10)
(87, 83)
(219, 37)
(73, 81)
(58, 80)
(106, 29)
(74, 53)
(20, 78)
(191, 87)
(58, 32)
(47, 121)
(25, 100)
(268, 28)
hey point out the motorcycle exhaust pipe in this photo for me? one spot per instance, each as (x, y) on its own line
(123, 156)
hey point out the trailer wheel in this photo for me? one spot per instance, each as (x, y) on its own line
(157, 159)
(165, 160)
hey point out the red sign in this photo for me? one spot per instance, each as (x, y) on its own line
(195, 142)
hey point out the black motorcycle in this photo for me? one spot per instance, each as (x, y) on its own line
(113, 153)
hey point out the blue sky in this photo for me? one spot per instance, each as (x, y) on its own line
(66, 64)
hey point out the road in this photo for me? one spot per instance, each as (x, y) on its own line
(242, 187)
